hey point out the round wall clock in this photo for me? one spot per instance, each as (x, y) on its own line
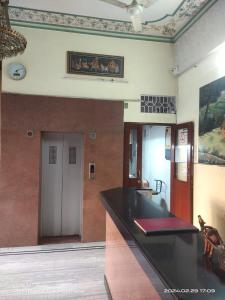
(16, 71)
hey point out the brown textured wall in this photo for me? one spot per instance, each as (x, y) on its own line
(20, 183)
(125, 277)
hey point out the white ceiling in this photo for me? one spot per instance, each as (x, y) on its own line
(164, 20)
(97, 8)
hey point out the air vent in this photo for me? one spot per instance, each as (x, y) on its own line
(158, 104)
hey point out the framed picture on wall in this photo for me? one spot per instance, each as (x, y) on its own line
(212, 123)
(95, 64)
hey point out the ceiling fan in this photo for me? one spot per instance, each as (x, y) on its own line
(135, 9)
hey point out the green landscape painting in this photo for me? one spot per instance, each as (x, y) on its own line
(212, 123)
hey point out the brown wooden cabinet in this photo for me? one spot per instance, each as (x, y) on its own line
(124, 275)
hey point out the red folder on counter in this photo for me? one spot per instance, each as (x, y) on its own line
(164, 225)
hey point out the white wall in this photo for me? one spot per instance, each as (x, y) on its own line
(154, 164)
(146, 69)
(209, 181)
(205, 35)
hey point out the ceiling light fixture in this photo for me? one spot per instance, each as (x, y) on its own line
(135, 9)
(11, 41)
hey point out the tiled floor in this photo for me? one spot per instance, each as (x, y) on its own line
(53, 272)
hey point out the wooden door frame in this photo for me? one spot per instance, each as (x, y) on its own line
(125, 158)
(190, 127)
(127, 127)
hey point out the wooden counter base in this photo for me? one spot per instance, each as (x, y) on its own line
(157, 266)
(125, 277)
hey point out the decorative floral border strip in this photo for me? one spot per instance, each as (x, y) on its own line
(164, 29)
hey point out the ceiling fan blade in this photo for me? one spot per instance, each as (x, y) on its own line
(146, 3)
(136, 21)
(115, 3)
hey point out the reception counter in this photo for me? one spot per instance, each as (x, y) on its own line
(161, 266)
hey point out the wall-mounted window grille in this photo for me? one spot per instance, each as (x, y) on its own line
(158, 104)
(52, 155)
(72, 155)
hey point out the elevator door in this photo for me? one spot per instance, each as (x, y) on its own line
(61, 184)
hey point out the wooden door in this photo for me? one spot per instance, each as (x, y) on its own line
(132, 155)
(182, 171)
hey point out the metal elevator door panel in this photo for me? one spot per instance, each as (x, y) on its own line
(51, 192)
(72, 182)
(61, 184)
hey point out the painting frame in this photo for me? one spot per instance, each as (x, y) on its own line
(211, 143)
(81, 63)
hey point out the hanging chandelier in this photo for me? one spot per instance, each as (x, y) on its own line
(11, 41)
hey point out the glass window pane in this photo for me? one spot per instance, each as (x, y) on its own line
(181, 154)
(133, 153)
(181, 171)
(72, 155)
(52, 155)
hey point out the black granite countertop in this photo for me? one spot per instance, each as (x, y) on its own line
(177, 258)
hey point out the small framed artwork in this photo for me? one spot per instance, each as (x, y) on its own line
(95, 64)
